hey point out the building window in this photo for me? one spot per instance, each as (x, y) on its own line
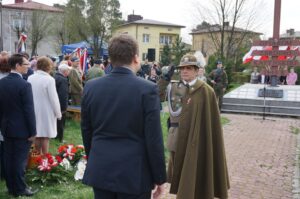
(125, 33)
(146, 27)
(169, 29)
(146, 38)
(17, 23)
(165, 39)
(144, 56)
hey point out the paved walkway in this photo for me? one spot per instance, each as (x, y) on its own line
(261, 157)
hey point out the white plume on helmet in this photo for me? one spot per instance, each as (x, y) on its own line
(200, 58)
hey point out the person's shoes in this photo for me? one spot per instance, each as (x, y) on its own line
(27, 192)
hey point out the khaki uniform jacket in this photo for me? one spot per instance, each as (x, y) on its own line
(200, 169)
(220, 79)
(94, 72)
(75, 82)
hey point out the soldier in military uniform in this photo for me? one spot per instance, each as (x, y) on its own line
(96, 71)
(176, 90)
(197, 165)
(219, 80)
(75, 81)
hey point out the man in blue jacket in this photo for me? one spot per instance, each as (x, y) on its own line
(17, 122)
(120, 122)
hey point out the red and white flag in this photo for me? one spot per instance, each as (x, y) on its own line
(248, 56)
(21, 43)
(83, 60)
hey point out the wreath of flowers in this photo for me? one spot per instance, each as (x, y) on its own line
(71, 152)
(70, 161)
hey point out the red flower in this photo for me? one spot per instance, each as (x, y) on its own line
(62, 148)
(80, 147)
(73, 150)
(48, 155)
(58, 158)
(51, 161)
(39, 160)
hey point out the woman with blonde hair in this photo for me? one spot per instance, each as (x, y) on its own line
(46, 104)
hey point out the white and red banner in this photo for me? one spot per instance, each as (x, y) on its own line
(83, 60)
(21, 43)
(248, 57)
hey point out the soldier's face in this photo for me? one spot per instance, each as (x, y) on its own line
(76, 64)
(188, 73)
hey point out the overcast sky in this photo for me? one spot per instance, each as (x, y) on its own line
(183, 12)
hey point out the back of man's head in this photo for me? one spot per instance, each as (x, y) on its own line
(122, 49)
(15, 59)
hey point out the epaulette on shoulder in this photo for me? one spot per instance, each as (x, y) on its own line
(174, 81)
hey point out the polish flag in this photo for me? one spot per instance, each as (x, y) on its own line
(248, 57)
(21, 43)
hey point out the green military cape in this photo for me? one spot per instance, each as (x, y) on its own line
(200, 169)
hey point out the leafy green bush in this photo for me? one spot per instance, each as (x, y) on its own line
(240, 77)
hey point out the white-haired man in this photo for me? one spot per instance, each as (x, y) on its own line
(62, 88)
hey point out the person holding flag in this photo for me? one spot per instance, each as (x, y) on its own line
(21, 43)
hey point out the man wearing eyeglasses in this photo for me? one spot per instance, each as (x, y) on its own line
(17, 123)
(199, 163)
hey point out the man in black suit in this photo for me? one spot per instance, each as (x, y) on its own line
(17, 123)
(62, 88)
(121, 130)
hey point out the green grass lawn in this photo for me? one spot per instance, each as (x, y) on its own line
(73, 189)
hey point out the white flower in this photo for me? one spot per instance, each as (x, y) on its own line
(66, 164)
(80, 169)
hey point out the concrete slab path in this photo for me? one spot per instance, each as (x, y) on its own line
(260, 155)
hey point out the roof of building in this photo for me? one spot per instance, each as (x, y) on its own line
(217, 28)
(31, 5)
(152, 22)
(296, 34)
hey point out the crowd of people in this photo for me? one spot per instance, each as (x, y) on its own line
(120, 101)
(120, 121)
(284, 78)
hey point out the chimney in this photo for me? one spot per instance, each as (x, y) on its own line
(19, 1)
(133, 17)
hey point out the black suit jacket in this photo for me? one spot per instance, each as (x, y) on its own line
(17, 116)
(62, 88)
(121, 130)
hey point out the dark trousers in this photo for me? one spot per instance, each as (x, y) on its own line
(219, 95)
(15, 161)
(60, 127)
(101, 194)
(220, 101)
(1, 161)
